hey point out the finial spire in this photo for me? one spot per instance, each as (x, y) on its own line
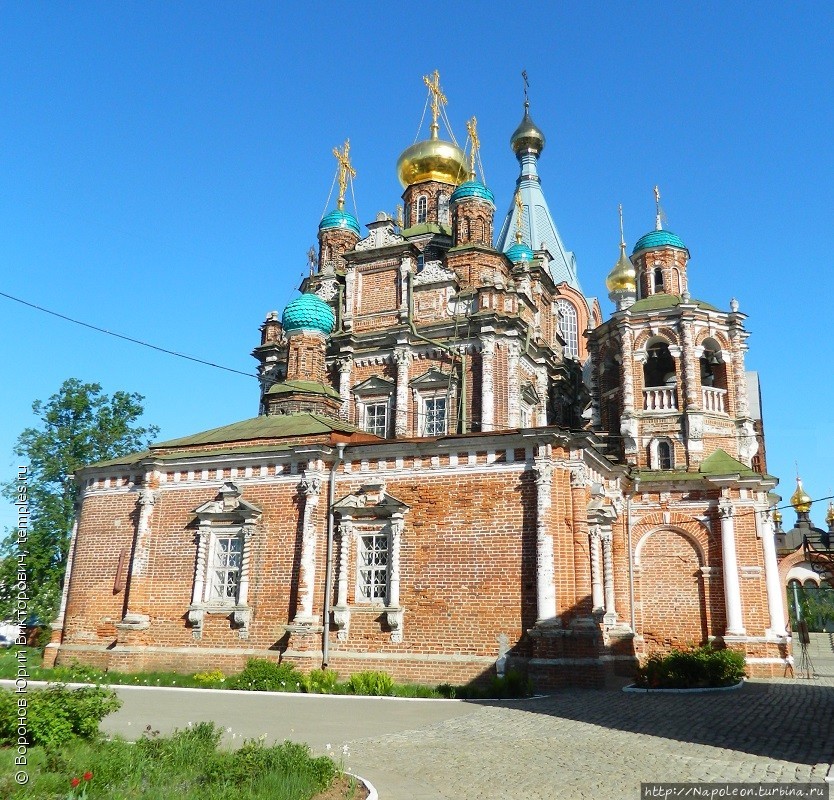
(312, 260)
(437, 99)
(519, 216)
(472, 129)
(526, 87)
(622, 235)
(658, 224)
(345, 169)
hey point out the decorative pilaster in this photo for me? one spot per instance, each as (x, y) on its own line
(394, 613)
(350, 291)
(345, 372)
(596, 573)
(732, 587)
(513, 389)
(606, 538)
(402, 357)
(195, 613)
(341, 611)
(545, 579)
(583, 605)
(775, 590)
(134, 618)
(242, 612)
(541, 388)
(690, 382)
(487, 383)
(310, 489)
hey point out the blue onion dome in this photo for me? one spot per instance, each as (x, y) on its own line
(472, 188)
(519, 252)
(338, 218)
(659, 238)
(308, 312)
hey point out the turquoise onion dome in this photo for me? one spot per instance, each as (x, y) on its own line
(309, 312)
(519, 252)
(472, 188)
(338, 218)
(659, 238)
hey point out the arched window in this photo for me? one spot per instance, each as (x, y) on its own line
(443, 208)
(659, 369)
(664, 455)
(658, 279)
(569, 327)
(422, 209)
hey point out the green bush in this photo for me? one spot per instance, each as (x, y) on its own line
(261, 675)
(322, 681)
(371, 683)
(512, 684)
(211, 679)
(697, 667)
(253, 759)
(56, 714)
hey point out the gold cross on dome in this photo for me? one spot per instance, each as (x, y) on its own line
(345, 169)
(472, 128)
(519, 216)
(437, 98)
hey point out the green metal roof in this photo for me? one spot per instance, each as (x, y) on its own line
(278, 426)
(658, 302)
(128, 460)
(307, 387)
(658, 238)
(719, 463)
(309, 311)
(426, 227)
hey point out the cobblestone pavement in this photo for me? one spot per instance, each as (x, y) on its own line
(573, 744)
(603, 744)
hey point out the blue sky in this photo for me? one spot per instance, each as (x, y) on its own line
(163, 167)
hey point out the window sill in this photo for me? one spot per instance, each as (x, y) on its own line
(393, 618)
(240, 616)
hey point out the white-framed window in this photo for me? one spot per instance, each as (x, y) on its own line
(526, 415)
(422, 208)
(376, 418)
(224, 567)
(443, 208)
(372, 575)
(569, 327)
(434, 411)
(662, 454)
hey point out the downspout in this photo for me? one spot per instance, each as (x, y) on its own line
(634, 488)
(328, 569)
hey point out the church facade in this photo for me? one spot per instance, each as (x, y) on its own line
(459, 465)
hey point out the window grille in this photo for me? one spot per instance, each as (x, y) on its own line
(372, 583)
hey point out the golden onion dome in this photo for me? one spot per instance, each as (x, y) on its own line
(432, 160)
(527, 136)
(623, 277)
(800, 499)
(777, 517)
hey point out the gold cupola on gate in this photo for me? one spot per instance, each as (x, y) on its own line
(433, 159)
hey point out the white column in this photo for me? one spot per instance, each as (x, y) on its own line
(513, 390)
(402, 357)
(596, 573)
(341, 612)
(203, 535)
(775, 590)
(606, 538)
(545, 583)
(732, 588)
(310, 488)
(541, 388)
(395, 613)
(345, 371)
(487, 383)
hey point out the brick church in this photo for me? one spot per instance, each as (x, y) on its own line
(458, 465)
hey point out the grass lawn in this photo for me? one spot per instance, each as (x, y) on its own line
(188, 765)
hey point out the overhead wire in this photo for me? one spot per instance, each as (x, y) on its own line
(126, 338)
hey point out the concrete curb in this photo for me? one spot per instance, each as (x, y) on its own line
(640, 690)
(372, 792)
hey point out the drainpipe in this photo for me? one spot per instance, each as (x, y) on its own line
(328, 570)
(634, 488)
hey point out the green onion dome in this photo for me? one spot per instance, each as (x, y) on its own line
(337, 218)
(659, 238)
(519, 252)
(472, 189)
(308, 312)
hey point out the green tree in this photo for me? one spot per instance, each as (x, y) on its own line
(79, 425)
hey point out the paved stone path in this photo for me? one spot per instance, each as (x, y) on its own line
(574, 744)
